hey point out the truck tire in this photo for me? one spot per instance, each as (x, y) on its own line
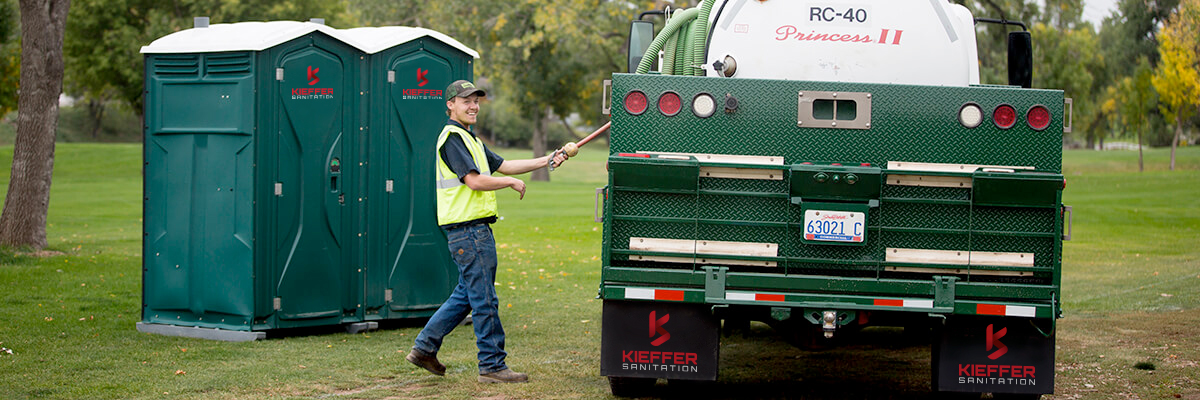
(630, 387)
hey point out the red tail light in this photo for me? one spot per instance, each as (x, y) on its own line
(1005, 116)
(669, 103)
(1038, 118)
(635, 102)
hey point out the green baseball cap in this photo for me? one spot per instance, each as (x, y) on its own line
(463, 88)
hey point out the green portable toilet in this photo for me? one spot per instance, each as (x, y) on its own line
(258, 184)
(409, 272)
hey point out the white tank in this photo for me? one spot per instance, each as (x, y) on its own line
(926, 42)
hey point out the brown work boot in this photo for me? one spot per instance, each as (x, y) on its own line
(430, 363)
(503, 376)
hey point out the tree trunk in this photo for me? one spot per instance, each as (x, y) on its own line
(96, 113)
(1141, 168)
(539, 146)
(570, 129)
(1178, 133)
(23, 221)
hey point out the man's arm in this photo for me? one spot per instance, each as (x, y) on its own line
(517, 167)
(484, 183)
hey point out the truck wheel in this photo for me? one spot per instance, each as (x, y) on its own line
(733, 326)
(630, 387)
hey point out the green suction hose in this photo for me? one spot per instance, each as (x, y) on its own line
(680, 19)
(699, 39)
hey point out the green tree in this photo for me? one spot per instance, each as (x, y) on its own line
(103, 36)
(1127, 36)
(548, 57)
(10, 57)
(1064, 58)
(1063, 15)
(393, 12)
(992, 39)
(1177, 78)
(1131, 33)
(1128, 100)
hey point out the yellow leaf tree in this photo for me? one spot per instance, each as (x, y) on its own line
(1177, 79)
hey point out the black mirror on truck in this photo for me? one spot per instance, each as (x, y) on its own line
(1020, 59)
(641, 33)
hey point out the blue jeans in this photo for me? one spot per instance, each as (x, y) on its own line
(473, 249)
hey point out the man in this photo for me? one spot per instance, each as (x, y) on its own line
(466, 205)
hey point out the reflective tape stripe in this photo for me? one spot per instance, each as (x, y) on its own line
(739, 296)
(449, 183)
(1009, 311)
(453, 182)
(1020, 311)
(918, 303)
(653, 294)
(768, 297)
(640, 294)
(746, 296)
(908, 303)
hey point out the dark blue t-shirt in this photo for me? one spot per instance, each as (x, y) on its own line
(456, 156)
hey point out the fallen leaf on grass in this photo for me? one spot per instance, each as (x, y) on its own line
(180, 372)
(1167, 295)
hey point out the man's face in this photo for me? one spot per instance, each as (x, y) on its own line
(464, 109)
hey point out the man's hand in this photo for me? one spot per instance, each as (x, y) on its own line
(518, 185)
(558, 158)
(475, 181)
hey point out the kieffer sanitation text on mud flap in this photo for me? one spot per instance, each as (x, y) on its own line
(659, 340)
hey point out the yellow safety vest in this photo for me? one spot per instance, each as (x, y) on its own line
(456, 202)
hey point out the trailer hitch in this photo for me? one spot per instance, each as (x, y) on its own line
(829, 323)
(830, 320)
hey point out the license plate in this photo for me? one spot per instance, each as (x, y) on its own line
(835, 226)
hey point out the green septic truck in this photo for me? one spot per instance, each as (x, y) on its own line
(824, 166)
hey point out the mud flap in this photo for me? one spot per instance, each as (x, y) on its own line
(659, 340)
(993, 354)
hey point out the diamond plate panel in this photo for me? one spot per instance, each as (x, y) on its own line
(909, 123)
(743, 208)
(929, 216)
(744, 185)
(625, 229)
(925, 193)
(742, 233)
(1013, 219)
(646, 204)
(931, 241)
(1042, 248)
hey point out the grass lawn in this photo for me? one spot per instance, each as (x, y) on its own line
(1130, 291)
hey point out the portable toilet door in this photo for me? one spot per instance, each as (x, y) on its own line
(311, 113)
(409, 269)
